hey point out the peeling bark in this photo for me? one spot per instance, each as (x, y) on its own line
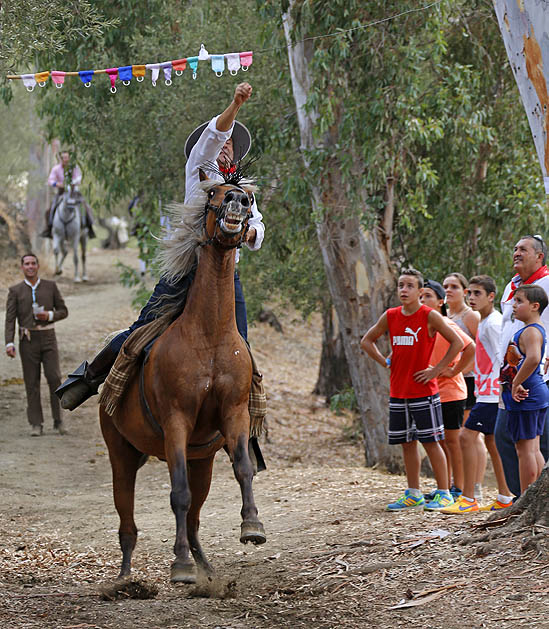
(525, 30)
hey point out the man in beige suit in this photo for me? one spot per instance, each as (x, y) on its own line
(36, 304)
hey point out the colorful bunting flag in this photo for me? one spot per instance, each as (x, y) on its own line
(246, 59)
(86, 77)
(58, 78)
(235, 61)
(139, 72)
(193, 65)
(41, 78)
(125, 74)
(29, 81)
(167, 69)
(218, 64)
(179, 66)
(113, 73)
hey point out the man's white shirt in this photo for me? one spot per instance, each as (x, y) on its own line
(207, 150)
(510, 326)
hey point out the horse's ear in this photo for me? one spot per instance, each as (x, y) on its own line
(202, 175)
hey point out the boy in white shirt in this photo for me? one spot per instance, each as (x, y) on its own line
(482, 292)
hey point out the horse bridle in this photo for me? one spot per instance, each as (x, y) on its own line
(218, 211)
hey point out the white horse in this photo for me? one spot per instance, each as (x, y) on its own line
(67, 227)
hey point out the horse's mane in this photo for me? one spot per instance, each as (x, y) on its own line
(181, 238)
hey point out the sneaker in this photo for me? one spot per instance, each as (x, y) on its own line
(406, 501)
(60, 428)
(462, 505)
(495, 506)
(430, 496)
(440, 501)
(36, 431)
(456, 492)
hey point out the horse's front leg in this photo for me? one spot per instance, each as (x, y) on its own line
(236, 433)
(83, 244)
(57, 252)
(183, 568)
(75, 243)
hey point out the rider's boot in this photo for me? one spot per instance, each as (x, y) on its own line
(85, 380)
(47, 230)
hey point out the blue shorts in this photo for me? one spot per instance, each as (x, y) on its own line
(526, 424)
(415, 419)
(482, 417)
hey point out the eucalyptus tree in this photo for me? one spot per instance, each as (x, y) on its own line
(412, 153)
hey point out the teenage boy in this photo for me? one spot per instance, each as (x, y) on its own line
(482, 292)
(414, 405)
(524, 392)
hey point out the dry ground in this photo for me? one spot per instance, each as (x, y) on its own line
(333, 557)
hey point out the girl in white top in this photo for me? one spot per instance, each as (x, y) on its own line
(455, 285)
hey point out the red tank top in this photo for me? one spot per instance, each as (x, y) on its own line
(412, 347)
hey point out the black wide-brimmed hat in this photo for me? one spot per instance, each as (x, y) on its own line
(242, 140)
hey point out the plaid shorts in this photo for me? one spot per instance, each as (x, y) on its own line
(415, 419)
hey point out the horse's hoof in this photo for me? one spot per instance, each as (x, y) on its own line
(252, 532)
(85, 278)
(58, 272)
(183, 572)
(77, 280)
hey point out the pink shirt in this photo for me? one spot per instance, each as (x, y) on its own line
(57, 175)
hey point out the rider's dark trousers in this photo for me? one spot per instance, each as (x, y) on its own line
(164, 288)
(41, 349)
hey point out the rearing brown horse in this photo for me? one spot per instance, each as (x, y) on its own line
(196, 383)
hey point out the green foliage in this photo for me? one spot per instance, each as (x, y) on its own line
(428, 99)
(131, 279)
(345, 399)
(31, 27)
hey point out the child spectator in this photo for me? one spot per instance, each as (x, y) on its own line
(451, 384)
(524, 392)
(456, 287)
(482, 419)
(414, 405)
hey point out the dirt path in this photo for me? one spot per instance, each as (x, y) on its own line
(333, 557)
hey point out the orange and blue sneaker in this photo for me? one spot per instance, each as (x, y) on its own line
(461, 506)
(406, 501)
(496, 506)
(441, 499)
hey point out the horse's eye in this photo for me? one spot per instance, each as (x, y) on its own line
(211, 193)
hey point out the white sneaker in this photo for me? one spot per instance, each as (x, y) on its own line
(36, 431)
(61, 428)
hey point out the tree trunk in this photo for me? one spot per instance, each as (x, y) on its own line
(37, 189)
(356, 262)
(333, 372)
(524, 26)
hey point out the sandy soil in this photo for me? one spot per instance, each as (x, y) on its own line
(333, 557)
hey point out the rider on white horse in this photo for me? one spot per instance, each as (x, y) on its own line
(60, 173)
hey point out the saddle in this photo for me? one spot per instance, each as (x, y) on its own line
(132, 357)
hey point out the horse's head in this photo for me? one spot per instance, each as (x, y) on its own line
(227, 212)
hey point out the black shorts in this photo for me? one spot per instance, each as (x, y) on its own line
(452, 414)
(471, 399)
(415, 419)
(482, 417)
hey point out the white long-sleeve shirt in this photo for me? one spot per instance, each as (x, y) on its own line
(207, 149)
(511, 325)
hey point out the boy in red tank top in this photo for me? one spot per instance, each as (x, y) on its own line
(414, 404)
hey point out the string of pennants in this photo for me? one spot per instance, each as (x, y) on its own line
(234, 62)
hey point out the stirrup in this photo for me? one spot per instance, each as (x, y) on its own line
(77, 388)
